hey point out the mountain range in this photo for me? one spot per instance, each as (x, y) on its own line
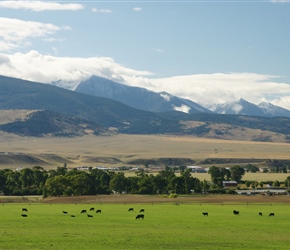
(144, 99)
(62, 112)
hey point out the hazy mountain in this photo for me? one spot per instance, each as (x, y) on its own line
(273, 110)
(136, 97)
(243, 107)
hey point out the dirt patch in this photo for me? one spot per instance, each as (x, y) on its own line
(212, 199)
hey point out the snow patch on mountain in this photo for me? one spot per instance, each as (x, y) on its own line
(183, 108)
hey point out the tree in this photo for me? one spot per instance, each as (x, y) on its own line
(218, 175)
(252, 168)
(237, 173)
(118, 182)
(27, 178)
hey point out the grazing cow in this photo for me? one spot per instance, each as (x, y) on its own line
(205, 214)
(92, 209)
(271, 214)
(72, 215)
(99, 211)
(142, 210)
(24, 215)
(260, 213)
(83, 211)
(65, 212)
(236, 212)
(140, 216)
(131, 209)
(89, 215)
(24, 210)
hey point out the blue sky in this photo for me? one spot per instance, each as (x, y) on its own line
(207, 51)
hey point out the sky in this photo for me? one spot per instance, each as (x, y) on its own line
(210, 52)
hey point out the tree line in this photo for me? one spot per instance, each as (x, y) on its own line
(72, 182)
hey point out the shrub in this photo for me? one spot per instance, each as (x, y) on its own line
(173, 195)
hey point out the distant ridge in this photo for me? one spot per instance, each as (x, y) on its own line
(243, 107)
(136, 97)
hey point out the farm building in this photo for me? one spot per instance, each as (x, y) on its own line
(197, 169)
(230, 184)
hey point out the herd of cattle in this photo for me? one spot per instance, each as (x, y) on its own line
(235, 212)
(84, 211)
(131, 209)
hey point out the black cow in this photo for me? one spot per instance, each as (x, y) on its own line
(99, 211)
(83, 211)
(140, 216)
(92, 209)
(260, 213)
(89, 215)
(24, 215)
(205, 214)
(236, 212)
(65, 212)
(142, 210)
(131, 209)
(24, 210)
(271, 214)
(72, 215)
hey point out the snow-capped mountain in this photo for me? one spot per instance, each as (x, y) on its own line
(243, 107)
(137, 97)
(273, 110)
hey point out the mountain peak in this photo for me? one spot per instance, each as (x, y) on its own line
(136, 97)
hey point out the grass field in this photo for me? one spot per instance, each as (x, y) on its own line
(166, 226)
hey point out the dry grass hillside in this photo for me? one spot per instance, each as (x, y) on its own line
(7, 116)
(230, 144)
(119, 150)
(232, 132)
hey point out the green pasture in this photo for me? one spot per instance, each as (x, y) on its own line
(166, 226)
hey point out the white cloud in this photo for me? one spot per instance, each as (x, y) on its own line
(237, 108)
(101, 10)
(159, 50)
(137, 9)
(183, 108)
(46, 68)
(40, 5)
(166, 97)
(16, 33)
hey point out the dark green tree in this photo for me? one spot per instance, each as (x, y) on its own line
(237, 173)
(118, 182)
